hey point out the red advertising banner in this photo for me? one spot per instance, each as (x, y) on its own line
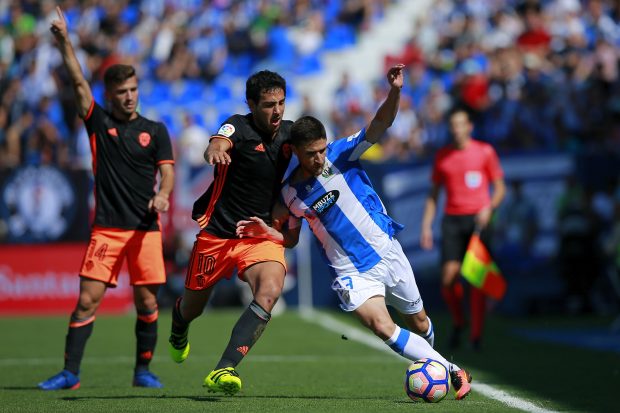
(43, 279)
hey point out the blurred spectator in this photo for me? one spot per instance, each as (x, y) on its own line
(579, 256)
(404, 136)
(516, 224)
(192, 143)
(350, 105)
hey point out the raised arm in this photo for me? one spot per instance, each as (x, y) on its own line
(387, 111)
(83, 94)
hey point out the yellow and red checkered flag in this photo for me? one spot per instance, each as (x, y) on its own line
(479, 269)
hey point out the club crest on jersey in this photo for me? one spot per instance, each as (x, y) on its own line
(324, 203)
(327, 172)
(144, 138)
(473, 179)
(226, 130)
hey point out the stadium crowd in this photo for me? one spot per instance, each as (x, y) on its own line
(175, 44)
(537, 75)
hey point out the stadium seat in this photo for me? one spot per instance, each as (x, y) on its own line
(338, 36)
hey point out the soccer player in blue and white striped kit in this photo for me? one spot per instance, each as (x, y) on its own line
(332, 192)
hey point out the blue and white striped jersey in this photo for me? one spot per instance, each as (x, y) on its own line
(343, 210)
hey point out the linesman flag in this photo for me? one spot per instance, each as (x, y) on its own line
(479, 269)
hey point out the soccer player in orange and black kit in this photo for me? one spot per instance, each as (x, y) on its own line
(127, 151)
(251, 154)
(466, 168)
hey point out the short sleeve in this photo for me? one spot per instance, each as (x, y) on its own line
(349, 148)
(95, 119)
(164, 147)
(494, 168)
(231, 129)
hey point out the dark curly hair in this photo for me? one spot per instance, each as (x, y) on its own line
(263, 81)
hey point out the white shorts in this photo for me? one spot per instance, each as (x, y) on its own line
(391, 278)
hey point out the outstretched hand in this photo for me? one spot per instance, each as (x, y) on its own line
(395, 75)
(253, 227)
(59, 26)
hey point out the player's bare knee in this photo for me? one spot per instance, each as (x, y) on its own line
(267, 294)
(146, 304)
(86, 306)
(267, 301)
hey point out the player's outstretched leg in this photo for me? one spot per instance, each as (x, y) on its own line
(61, 381)
(460, 380)
(179, 345)
(224, 380)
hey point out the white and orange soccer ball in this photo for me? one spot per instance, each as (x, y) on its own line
(427, 380)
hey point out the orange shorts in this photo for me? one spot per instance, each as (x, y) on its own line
(215, 258)
(108, 248)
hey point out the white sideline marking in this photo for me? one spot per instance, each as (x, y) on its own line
(330, 323)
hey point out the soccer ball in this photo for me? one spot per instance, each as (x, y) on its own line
(427, 380)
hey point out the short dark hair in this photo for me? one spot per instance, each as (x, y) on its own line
(458, 109)
(263, 81)
(305, 130)
(117, 74)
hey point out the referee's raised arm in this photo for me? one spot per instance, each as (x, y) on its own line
(83, 94)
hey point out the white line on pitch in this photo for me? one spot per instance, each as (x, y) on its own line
(330, 323)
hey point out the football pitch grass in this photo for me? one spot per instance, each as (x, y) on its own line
(299, 365)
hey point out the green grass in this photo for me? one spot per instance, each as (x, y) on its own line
(296, 366)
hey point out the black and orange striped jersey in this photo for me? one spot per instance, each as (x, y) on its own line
(251, 182)
(126, 157)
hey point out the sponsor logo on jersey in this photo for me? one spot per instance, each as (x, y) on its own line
(226, 130)
(144, 138)
(327, 172)
(473, 179)
(259, 148)
(324, 203)
(350, 138)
